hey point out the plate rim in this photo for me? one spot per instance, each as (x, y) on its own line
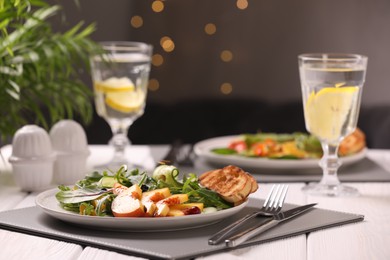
(202, 150)
(135, 224)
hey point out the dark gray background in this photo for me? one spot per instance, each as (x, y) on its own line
(265, 40)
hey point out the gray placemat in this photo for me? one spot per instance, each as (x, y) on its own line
(178, 244)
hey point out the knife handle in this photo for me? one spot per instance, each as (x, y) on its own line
(222, 234)
(250, 232)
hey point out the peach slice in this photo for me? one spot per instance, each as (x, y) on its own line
(127, 206)
(185, 209)
(128, 203)
(134, 191)
(149, 198)
(163, 205)
(156, 195)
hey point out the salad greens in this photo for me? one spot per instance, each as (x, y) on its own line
(274, 146)
(167, 176)
(93, 195)
(251, 139)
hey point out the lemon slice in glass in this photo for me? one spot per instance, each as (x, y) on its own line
(327, 111)
(115, 85)
(125, 102)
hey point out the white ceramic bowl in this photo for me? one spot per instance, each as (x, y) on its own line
(69, 136)
(70, 144)
(31, 142)
(32, 158)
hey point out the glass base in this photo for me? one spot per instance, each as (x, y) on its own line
(338, 190)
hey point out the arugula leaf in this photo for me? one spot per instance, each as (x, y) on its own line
(90, 179)
(80, 195)
(86, 208)
(103, 205)
(209, 198)
(224, 151)
(309, 143)
(251, 139)
(285, 157)
(75, 207)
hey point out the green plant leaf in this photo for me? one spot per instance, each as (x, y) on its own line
(40, 69)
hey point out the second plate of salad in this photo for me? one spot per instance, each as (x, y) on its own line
(246, 151)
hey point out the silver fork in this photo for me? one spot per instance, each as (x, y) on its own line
(185, 155)
(272, 205)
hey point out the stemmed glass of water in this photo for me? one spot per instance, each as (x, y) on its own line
(332, 85)
(120, 77)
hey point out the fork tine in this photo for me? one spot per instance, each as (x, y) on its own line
(275, 199)
(278, 197)
(267, 200)
(273, 196)
(278, 204)
(283, 196)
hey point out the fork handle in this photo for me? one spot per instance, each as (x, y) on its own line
(250, 232)
(222, 234)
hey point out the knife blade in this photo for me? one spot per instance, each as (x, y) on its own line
(243, 236)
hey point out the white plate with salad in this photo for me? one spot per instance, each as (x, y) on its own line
(206, 150)
(112, 201)
(49, 204)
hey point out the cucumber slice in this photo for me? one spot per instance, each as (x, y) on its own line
(107, 181)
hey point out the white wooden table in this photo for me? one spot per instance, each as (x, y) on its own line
(369, 239)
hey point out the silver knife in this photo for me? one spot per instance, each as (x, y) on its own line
(243, 236)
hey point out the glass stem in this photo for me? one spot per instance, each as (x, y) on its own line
(119, 141)
(330, 163)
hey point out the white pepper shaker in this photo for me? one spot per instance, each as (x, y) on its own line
(32, 158)
(71, 147)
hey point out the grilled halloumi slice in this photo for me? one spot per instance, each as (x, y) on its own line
(231, 182)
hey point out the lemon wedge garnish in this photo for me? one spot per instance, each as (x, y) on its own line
(125, 102)
(115, 85)
(328, 110)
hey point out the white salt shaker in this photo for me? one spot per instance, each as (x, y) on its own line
(71, 147)
(32, 158)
